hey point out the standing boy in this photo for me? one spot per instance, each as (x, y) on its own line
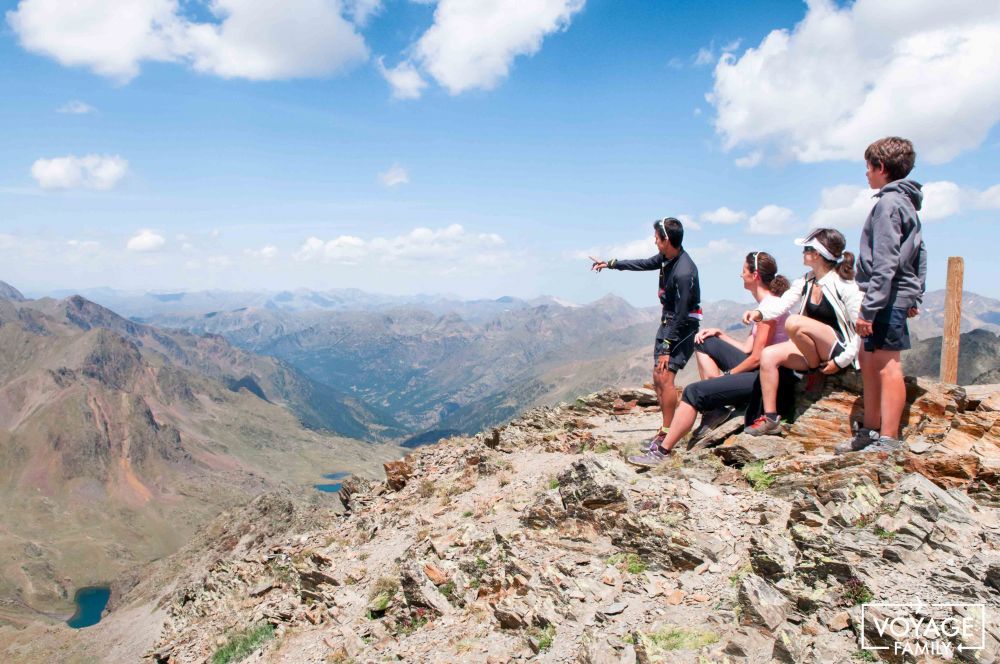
(680, 295)
(892, 269)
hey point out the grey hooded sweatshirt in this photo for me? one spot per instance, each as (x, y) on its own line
(892, 263)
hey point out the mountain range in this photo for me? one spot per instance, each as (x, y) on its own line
(118, 440)
(439, 366)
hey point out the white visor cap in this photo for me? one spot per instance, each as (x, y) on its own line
(818, 246)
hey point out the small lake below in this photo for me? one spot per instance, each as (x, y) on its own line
(90, 603)
(333, 487)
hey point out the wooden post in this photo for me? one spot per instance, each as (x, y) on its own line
(952, 320)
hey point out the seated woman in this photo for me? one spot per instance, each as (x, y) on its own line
(728, 366)
(821, 336)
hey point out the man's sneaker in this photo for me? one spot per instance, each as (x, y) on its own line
(886, 444)
(863, 437)
(764, 426)
(711, 420)
(650, 459)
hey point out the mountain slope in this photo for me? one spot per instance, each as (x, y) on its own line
(317, 405)
(112, 455)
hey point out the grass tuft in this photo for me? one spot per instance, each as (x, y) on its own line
(243, 644)
(758, 478)
(671, 638)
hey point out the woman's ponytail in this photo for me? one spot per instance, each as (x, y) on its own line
(846, 266)
(779, 284)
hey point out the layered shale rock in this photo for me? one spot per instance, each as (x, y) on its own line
(537, 542)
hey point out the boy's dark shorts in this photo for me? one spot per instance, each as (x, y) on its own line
(890, 331)
(680, 351)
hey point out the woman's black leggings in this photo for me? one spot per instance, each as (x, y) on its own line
(731, 390)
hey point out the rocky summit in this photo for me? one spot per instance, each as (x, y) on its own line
(537, 542)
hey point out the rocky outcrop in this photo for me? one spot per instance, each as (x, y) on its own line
(537, 541)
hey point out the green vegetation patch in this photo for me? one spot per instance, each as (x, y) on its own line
(243, 644)
(856, 592)
(629, 562)
(758, 478)
(671, 637)
(543, 636)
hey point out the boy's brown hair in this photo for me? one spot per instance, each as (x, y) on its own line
(893, 153)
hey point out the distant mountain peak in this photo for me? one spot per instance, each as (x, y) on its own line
(8, 292)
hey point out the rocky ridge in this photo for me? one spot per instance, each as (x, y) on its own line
(536, 542)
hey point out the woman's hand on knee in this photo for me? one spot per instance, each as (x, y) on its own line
(706, 333)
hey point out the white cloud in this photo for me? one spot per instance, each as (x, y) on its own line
(404, 79)
(145, 240)
(219, 261)
(253, 39)
(446, 249)
(395, 176)
(749, 160)
(265, 253)
(772, 220)
(85, 246)
(703, 57)
(847, 75)
(76, 107)
(941, 200)
(715, 250)
(689, 223)
(723, 216)
(842, 207)
(706, 55)
(472, 43)
(362, 10)
(91, 171)
(990, 199)
(263, 40)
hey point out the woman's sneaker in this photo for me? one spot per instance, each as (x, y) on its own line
(764, 426)
(650, 459)
(712, 420)
(863, 437)
(656, 441)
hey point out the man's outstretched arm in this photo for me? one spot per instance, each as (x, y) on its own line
(638, 264)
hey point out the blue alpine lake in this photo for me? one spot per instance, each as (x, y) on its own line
(90, 603)
(334, 487)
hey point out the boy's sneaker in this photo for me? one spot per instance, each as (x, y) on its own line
(886, 444)
(650, 459)
(863, 437)
(764, 426)
(711, 420)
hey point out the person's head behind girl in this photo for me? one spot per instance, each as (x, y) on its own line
(823, 249)
(668, 233)
(761, 266)
(889, 159)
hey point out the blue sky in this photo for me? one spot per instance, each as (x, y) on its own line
(477, 148)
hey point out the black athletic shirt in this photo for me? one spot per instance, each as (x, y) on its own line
(680, 291)
(822, 312)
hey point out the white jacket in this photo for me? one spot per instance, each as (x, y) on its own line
(845, 298)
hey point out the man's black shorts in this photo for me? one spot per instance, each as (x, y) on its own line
(890, 331)
(680, 351)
